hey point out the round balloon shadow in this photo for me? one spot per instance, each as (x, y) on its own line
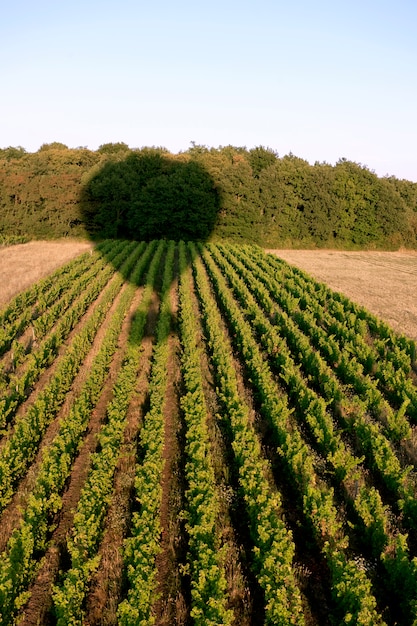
(150, 195)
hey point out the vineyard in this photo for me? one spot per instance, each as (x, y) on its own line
(203, 434)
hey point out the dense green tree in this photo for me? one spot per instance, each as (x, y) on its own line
(113, 148)
(245, 195)
(241, 215)
(39, 192)
(282, 200)
(111, 189)
(406, 189)
(180, 203)
(260, 158)
(150, 194)
(373, 212)
(12, 153)
(55, 145)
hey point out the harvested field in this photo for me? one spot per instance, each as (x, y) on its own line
(383, 282)
(24, 264)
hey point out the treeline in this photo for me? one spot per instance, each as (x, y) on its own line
(227, 192)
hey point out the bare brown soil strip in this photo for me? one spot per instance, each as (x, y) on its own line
(19, 370)
(310, 570)
(106, 586)
(46, 375)
(23, 265)
(12, 513)
(382, 282)
(105, 593)
(10, 361)
(248, 597)
(172, 606)
(242, 589)
(37, 609)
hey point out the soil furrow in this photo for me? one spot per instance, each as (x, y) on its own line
(37, 609)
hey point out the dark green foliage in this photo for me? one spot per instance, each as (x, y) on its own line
(150, 195)
(55, 145)
(227, 192)
(12, 153)
(113, 148)
(369, 210)
(240, 214)
(179, 204)
(260, 158)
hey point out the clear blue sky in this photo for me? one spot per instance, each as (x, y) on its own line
(321, 79)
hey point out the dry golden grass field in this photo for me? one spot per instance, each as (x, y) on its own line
(24, 264)
(383, 282)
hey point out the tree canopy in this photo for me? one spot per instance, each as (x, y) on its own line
(229, 192)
